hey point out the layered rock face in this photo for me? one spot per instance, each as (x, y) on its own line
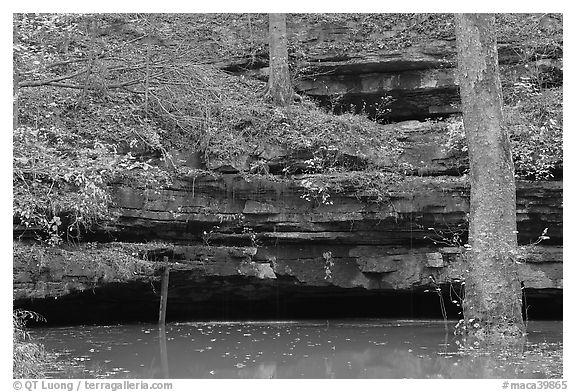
(233, 243)
(264, 245)
(419, 84)
(416, 82)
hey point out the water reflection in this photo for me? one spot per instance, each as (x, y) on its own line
(163, 350)
(340, 349)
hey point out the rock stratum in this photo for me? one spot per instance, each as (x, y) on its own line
(257, 245)
(306, 245)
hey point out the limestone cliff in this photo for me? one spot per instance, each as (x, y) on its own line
(252, 242)
(240, 243)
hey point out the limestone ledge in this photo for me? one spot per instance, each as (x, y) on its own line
(232, 210)
(368, 267)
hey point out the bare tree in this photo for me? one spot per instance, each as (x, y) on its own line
(492, 306)
(15, 94)
(15, 86)
(279, 89)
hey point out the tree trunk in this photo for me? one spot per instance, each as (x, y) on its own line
(492, 306)
(91, 58)
(148, 43)
(15, 84)
(15, 93)
(279, 88)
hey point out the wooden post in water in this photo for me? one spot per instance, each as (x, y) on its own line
(162, 318)
(164, 293)
(163, 351)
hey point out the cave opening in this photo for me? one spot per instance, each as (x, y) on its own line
(231, 300)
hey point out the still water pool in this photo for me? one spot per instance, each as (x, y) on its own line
(367, 348)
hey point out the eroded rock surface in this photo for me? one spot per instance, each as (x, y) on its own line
(231, 209)
(270, 242)
(228, 238)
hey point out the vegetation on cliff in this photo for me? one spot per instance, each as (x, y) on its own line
(103, 99)
(92, 263)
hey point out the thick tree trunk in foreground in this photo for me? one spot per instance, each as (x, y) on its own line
(492, 306)
(279, 88)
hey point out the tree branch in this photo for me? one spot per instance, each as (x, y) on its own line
(37, 83)
(72, 61)
(109, 86)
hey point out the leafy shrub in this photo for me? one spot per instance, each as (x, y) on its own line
(28, 358)
(315, 190)
(371, 185)
(51, 179)
(61, 181)
(535, 123)
(455, 135)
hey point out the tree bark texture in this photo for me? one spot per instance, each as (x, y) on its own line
(15, 85)
(493, 302)
(92, 58)
(279, 88)
(15, 94)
